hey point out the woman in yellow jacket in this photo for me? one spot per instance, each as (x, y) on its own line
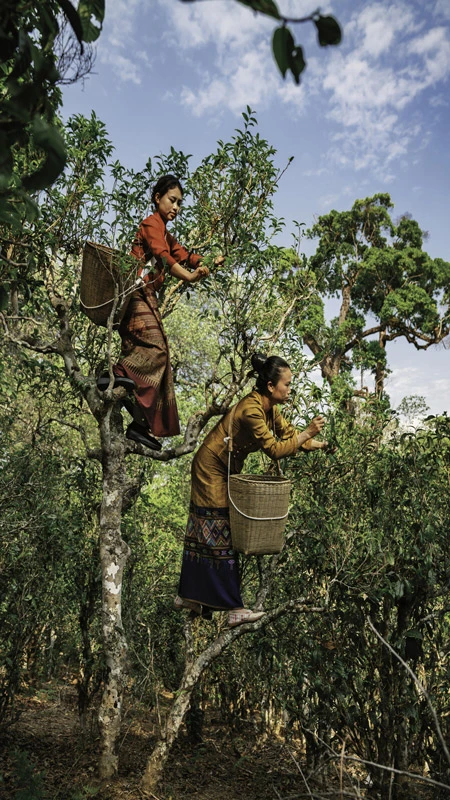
(210, 575)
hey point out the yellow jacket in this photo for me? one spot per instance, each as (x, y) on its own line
(253, 429)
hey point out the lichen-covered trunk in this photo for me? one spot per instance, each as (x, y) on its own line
(113, 556)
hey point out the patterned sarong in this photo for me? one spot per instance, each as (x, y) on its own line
(145, 359)
(210, 571)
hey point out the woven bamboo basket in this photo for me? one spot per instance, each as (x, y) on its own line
(258, 512)
(103, 271)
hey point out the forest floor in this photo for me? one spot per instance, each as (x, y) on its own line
(44, 756)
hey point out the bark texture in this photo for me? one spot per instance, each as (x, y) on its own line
(113, 557)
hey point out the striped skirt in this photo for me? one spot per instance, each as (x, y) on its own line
(210, 569)
(145, 359)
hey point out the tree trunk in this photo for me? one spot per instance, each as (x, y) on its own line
(191, 676)
(345, 304)
(380, 370)
(113, 556)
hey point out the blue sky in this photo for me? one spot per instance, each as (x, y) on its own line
(370, 115)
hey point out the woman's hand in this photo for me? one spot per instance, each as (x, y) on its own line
(198, 274)
(329, 448)
(315, 426)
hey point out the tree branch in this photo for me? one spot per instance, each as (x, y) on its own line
(412, 334)
(93, 454)
(366, 762)
(312, 343)
(193, 671)
(363, 335)
(27, 342)
(195, 425)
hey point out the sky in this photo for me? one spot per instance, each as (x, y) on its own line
(371, 115)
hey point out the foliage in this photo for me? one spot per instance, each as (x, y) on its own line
(366, 540)
(44, 265)
(48, 500)
(232, 212)
(220, 216)
(30, 782)
(388, 287)
(33, 150)
(34, 44)
(367, 530)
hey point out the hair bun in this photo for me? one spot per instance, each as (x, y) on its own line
(258, 360)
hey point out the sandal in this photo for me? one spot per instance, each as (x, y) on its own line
(119, 380)
(189, 605)
(242, 615)
(137, 433)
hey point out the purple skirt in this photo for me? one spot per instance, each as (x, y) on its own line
(210, 570)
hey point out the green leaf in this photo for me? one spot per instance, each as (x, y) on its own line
(267, 7)
(48, 138)
(88, 9)
(328, 30)
(287, 55)
(414, 634)
(23, 57)
(297, 63)
(282, 45)
(73, 17)
(9, 215)
(6, 161)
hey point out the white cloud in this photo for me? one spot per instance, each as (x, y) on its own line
(118, 40)
(379, 25)
(438, 101)
(434, 47)
(205, 99)
(442, 8)
(242, 83)
(125, 69)
(315, 173)
(290, 94)
(119, 26)
(371, 84)
(410, 380)
(375, 83)
(227, 26)
(394, 59)
(329, 201)
(244, 72)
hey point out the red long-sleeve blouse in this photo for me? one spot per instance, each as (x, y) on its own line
(156, 249)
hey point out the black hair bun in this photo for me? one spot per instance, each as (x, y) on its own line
(258, 360)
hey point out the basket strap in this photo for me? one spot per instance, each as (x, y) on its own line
(242, 513)
(136, 285)
(139, 282)
(229, 438)
(229, 441)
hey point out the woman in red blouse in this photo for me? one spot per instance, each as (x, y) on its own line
(145, 358)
